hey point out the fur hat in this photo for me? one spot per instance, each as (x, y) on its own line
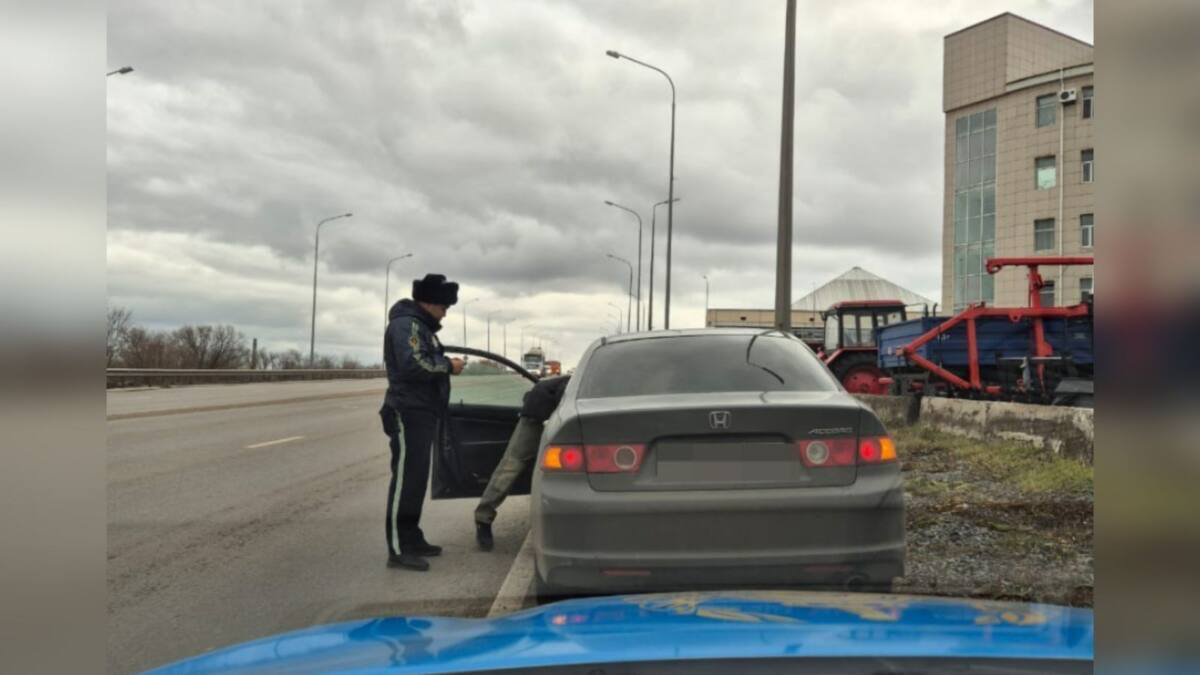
(435, 290)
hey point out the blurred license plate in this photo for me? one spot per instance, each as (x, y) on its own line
(726, 462)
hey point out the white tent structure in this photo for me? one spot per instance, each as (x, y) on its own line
(858, 284)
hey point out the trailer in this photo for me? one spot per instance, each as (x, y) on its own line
(1034, 354)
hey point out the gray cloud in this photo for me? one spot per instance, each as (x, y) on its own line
(485, 136)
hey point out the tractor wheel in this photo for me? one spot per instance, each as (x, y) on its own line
(860, 374)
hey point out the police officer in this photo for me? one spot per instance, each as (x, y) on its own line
(417, 397)
(539, 403)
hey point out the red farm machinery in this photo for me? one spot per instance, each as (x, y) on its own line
(1036, 353)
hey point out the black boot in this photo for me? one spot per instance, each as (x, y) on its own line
(422, 548)
(483, 535)
(408, 561)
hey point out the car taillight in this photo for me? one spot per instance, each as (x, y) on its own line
(876, 450)
(614, 458)
(826, 452)
(563, 458)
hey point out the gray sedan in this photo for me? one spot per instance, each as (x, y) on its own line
(701, 458)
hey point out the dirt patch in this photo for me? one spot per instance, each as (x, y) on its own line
(995, 520)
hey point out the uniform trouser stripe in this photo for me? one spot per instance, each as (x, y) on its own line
(398, 482)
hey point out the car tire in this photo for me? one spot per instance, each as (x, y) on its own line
(544, 593)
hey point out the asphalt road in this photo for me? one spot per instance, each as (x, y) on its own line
(228, 525)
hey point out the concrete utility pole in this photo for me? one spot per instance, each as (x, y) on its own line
(705, 300)
(783, 252)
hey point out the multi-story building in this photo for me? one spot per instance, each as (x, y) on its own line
(1019, 159)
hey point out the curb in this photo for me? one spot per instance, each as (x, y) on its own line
(518, 585)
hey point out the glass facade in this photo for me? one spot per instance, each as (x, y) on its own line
(974, 206)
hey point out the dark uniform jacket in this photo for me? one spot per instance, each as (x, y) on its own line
(417, 368)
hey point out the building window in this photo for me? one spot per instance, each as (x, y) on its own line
(1047, 294)
(1085, 288)
(1087, 230)
(1044, 173)
(1047, 107)
(1087, 103)
(1043, 234)
(974, 205)
(1089, 165)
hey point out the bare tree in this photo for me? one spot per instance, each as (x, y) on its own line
(119, 320)
(350, 363)
(210, 347)
(149, 349)
(289, 360)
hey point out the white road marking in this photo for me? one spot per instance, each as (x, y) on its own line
(518, 585)
(264, 444)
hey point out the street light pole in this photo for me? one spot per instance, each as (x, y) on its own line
(387, 281)
(670, 180)
(653, 218)
(618, 315)
(464, 316)
(489, 329)
(639, 265)
(705, 300)
(783, 246)
(123, 70)
(629, 303)
(312, 334)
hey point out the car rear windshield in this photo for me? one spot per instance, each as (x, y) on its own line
(703, 364)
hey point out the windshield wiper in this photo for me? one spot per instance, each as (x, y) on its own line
(756, 365)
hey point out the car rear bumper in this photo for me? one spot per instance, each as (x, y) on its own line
(590, 540)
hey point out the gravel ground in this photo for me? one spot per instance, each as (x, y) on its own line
(995, 521)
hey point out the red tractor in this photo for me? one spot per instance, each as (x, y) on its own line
(850, 350)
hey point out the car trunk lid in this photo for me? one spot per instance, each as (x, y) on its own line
(720, 441)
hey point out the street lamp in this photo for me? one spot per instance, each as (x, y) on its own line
(312, 335)
(653, 223)
(670, 179)
(489, 328)
(705, 300)
(618, 315)
(464, 315)
(629, 303)
(639, 265)
(123, 70)
(387, 279)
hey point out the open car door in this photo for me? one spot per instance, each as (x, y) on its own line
(480, 420)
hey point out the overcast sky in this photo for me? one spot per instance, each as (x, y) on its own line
(484, 136)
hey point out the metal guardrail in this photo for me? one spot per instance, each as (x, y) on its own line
(125, 377)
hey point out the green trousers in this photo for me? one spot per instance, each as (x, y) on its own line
(521, 452)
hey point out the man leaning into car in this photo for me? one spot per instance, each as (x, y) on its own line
(418, 395)
(539, 403)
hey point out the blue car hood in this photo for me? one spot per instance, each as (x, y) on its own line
(672, 626)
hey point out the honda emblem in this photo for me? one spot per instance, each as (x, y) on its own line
(719, 419)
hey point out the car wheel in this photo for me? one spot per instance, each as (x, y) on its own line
(544, 593)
